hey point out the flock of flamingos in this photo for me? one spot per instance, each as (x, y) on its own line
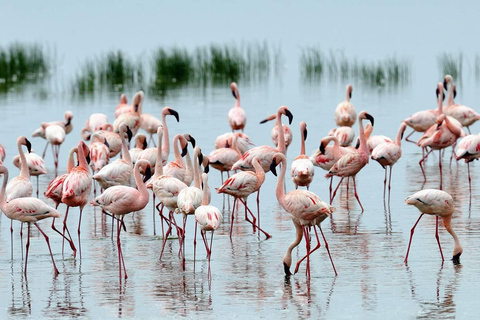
(181, 186)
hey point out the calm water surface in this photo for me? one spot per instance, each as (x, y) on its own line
(247, 274)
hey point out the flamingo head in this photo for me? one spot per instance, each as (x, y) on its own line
(446, 80)
(137, 101)
(24, 141)
(364, 115)
(183, 144)
(349, 91)
(284, 110)
(206, 163)
(277, 158)
(454, 88)
(172, 112)
(303, 129)
(403, 127)
(190, 139)
(68, 117)
(271, 117)
(234, 88)
(123, 99)
(439, 92)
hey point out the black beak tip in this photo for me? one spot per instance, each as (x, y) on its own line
(192, 141)
(290, 116)
(145, 144)
(200, 158)
(286, 269)
(184, 151)
(175, 114)
(234, 94)
(106, 143)
(148, 174)
(207, 168)
(322, 148)
(29, 145)
(273, 167)
(445, 83)
(129, 134)
(456, 259)
(370, 118)
(88, 158)
(305, 134)
(263, 121)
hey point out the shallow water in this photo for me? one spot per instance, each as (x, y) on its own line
(247, 274)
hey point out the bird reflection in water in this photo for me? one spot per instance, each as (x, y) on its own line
(26, 305)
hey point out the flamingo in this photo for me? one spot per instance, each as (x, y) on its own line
(99, 153)
(442, 135)
(140, 141)
(132, 119)
(166, 188)
(350, 164)
(287, 132)
(302, 170)
(119, 171)
(438, 203)
(121, 200)
(388, 153)
(29, 210)
(177, 167)
(55, 135)
(209, 218)
(36, 165)
(2, 153)
(374, 141)
(465, 115)
(76, 188)
(243, 141)
(307, 210)
(114, 140)
(240, 186)
(224, 158)
(67, 125)
(345, 114)
(344, 134)
(188, 161)
(149, 123)
(236, 116)
(123, 106)
(265, 153)
(469, 150)
(93, 123)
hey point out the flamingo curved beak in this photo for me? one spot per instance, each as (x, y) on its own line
(370, 118)
(456, 259)
(184, 151)
(273, 167)
(29, 145)
(129, 134)
(175, 114)
(322, 148)
(305, 134)
(192, 141)
(148, 174)
(207, 168)
(286, 268)
(289, 115)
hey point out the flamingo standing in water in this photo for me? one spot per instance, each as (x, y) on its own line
(29, 210)
(55, 135)
(307, 210)
(133, 118)
(345, 114)
(36, 165)
(438, 203)
(236, 116)
(224, 158)
(287, 132)
(121, 200)
(177, 167)
(350, 164)
(376, 140)
(114, 140)
(209, 218)
(93, 123)
(469, 150)
(76, 188)
(465, 115)
(302, 170)
(67, 125)
(240, 186)
(388, 153)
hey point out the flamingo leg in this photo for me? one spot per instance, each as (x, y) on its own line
(120, 252)
(233, 217)
(246, 216)
(247, 208)
(440, 166)
(335, 192)
(78, 231)
(195, 246)
(210, 256)
(49, 248)
(411, 236)
(165, 239)
(11, 239)
(328, 250)
(26, 249)
(421, 166)
(356, 195)
(406, 138)
(258, 206)
(330, 189)
(72, 246)
(438, 239)
(469, 178)
(385, 183)
(153, 214)
(45, 150)
(313, 250)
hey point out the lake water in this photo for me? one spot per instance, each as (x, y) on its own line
(247, 274)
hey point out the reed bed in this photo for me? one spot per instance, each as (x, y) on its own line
(451, 64)
(315, 65)
(21, 62)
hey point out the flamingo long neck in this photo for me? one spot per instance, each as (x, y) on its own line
(166, 138)
(279, 192)
(347, 95)
(450, 101)
(70, 162)
(457, 248)
(141, 187)
(206, 191)
(456, 130)
(363, 141)
(196, 168)
(398, 140)
(259, 172)
(281, 135)
(3, 203)
(235, 146)
(158, 162)
(82, 161)
(188, 165)
(302, 146)
(237, 102)
(176, 151)
(24, 172)
(125, 153)
(337, 153)
(287, 259)
(440, 104)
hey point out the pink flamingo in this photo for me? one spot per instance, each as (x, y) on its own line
(302, 170)
(114, 140)
(236, 116)
(350, 164)
(376, 140)
(465, 115)
(440, 136)
(29, 210)
(307, 210)
(123, 106)
(345, 114)
(132, 119)
(209, 218)
(265, 153)
(243, 141)
(177, 167)
(76, 188)
(287, 132)
(55, 135)
(440, 204)
(240, 186)
(36, 165)
(388, 153)
(121, 200)
(99, 153)
(140, 141)
(94, 123)
(344, 134)
(166, 188)
(469, 150)
(2, 153)
(224, 158)
(67, 125)
(119, 171)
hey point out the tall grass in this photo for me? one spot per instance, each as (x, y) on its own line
(315, 65)
(451, 64)
(20, 62)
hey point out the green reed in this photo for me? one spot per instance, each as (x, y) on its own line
(451, 64)
(20, 62)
